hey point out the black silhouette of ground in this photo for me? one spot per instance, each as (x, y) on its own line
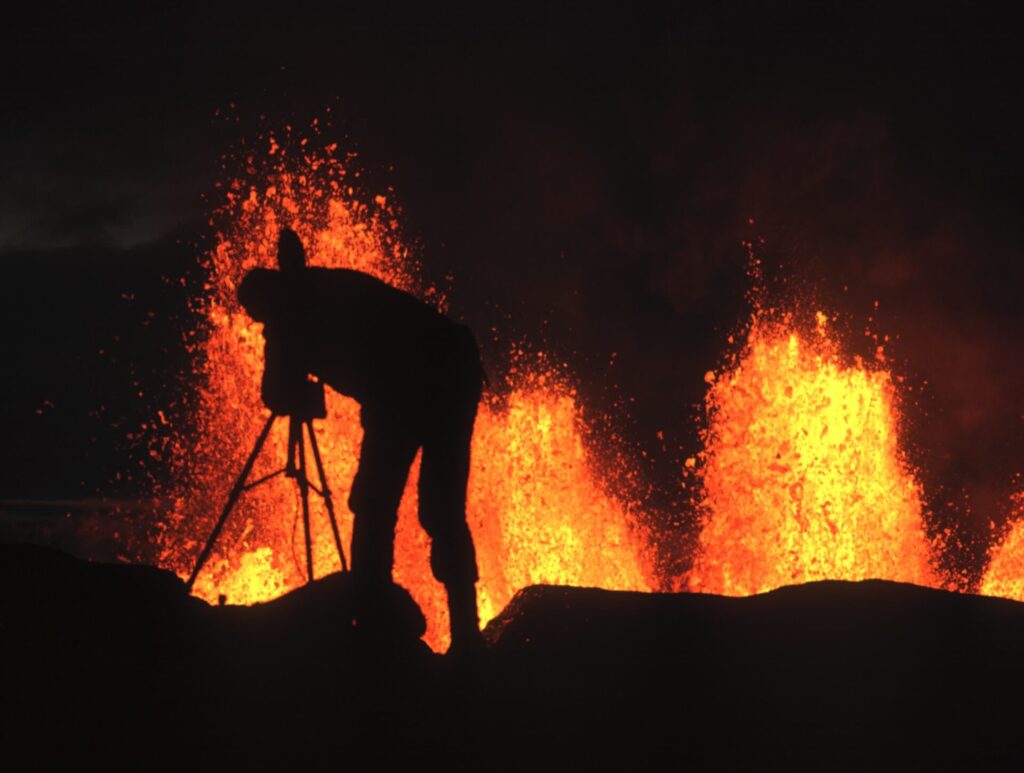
(115, 667)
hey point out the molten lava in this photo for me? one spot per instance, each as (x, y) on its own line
(802, 476)
(537, 510)
(1004, 575)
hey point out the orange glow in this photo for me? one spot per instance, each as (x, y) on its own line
(1004, 575)
(802, 475)
(537, 510)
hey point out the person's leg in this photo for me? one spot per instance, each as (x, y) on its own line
(387, 452)
(444, 473)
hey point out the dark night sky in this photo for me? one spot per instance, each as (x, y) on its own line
(586, 176)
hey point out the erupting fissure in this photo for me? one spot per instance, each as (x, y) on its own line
(538, 511)
(801, 477)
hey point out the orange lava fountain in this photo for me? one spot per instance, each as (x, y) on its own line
(802, 476)
(537, 510)
(1004, 575)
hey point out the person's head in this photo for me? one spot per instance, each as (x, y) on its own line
(260, 294)
(291, 255)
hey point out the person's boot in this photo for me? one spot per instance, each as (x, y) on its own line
(467, 641)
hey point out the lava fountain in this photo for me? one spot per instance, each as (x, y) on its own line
(802, 477)
(536, 507)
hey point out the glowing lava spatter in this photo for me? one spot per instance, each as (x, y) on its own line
(537, 511)
(802, 475)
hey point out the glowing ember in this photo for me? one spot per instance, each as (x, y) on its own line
(802, 474)
(1004, 575)
(537, 511)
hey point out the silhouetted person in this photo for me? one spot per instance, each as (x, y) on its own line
(417, 376)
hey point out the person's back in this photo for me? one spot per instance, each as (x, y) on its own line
(371, 340)
(363, 337)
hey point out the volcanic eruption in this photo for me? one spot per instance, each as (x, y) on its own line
(802, 475)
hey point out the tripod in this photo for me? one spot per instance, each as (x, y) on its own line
(295, 467)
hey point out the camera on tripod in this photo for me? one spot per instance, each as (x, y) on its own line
(301, 402)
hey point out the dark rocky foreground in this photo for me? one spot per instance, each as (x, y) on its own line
(110, 666)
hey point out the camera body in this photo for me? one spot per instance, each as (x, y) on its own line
(298, 398)
(307, 402)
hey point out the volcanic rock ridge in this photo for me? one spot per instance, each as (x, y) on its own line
(117, 667)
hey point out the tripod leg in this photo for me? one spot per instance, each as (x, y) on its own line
(303, 482)
(294, 444)
(236, 492)
(326, 492)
